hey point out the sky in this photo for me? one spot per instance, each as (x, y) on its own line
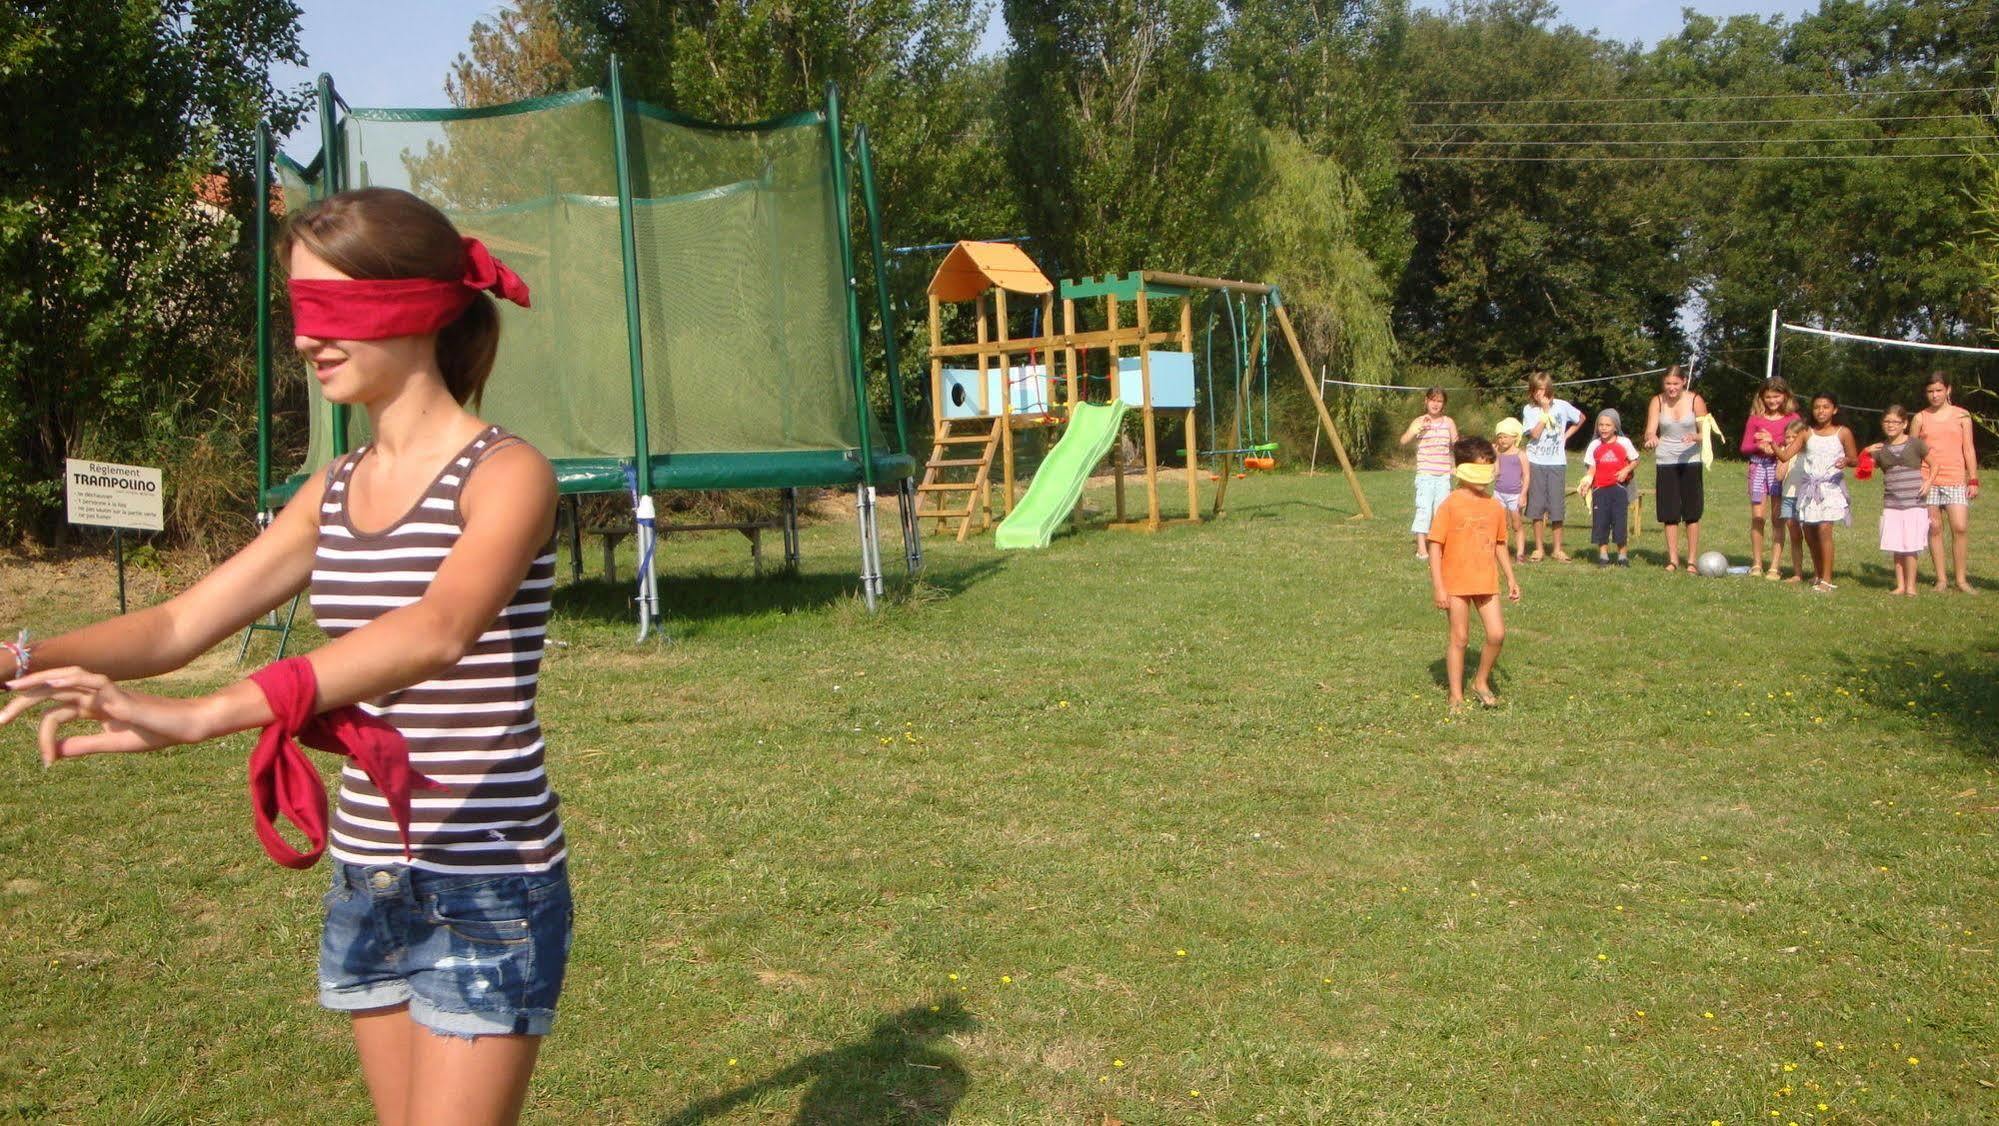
(396, 52)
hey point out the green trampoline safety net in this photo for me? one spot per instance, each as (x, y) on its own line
(742, 313)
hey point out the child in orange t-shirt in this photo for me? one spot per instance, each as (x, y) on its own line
(1468, 534)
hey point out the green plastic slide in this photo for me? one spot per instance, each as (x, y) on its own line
(1058, 484)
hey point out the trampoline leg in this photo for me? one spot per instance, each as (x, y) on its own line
(574, 508)
(912, 534)
(871, 570)
(791, 529)
(648, 586)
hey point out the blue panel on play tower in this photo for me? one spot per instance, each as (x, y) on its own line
(1172, 381)
(961, 391)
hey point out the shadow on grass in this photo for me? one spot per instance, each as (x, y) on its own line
(1440, 674)
(1956, 694)
(701, 597)
(899, 1072)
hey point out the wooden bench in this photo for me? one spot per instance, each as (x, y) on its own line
(614, 534)
(569, 516)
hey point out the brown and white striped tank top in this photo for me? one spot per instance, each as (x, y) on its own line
(472, 727)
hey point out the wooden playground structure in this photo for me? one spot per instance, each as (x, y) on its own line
(1017, 381)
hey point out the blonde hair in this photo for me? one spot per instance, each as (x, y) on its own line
(1774, 383)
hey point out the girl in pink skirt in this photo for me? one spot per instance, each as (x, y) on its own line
(1906, 474)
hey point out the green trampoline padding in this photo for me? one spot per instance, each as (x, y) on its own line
(792, 469)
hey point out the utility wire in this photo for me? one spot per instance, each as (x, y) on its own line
(1489, 122)
(1701, 97)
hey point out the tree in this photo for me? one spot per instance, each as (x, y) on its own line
(1129, 148)
(125, 326)
(524, 50)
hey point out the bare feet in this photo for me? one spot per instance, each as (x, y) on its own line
(1485, 696)
(1796, 577)
(1966, 587)
(1537, 556)
(1672, 566)
(1942, 587)
(1561, 557)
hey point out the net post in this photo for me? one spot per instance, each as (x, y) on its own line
(334, 173)
(1770, 352)
(843, 226)
(261, 196)
(634, 346)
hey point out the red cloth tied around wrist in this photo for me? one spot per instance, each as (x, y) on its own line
(375, 309)
(283, 781)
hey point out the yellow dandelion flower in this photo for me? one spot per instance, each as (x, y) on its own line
(1117, 1063)
(1179, 953)
(1823, 1106)
(1193, 1094)
(1790, 1067)
(1603, 957)
(1006, 979)
(1818, 1044)
(1707, 1016)
(953, 977)
(1913, 1061)
(732, 1061)
(1641, 1012)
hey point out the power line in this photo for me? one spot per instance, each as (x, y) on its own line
(1473, 158)
(1700, 97)
(1725, 140)
(1490, 123)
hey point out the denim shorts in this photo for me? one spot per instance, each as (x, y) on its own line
(1431, 489)
(472, 955)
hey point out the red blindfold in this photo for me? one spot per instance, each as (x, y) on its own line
(357, 309)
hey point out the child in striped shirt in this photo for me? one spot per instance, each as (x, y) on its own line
(1906, 474)
(1433, 432)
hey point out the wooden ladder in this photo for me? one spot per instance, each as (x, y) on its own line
(952, 435)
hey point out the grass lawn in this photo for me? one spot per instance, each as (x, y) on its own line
(1168, 828)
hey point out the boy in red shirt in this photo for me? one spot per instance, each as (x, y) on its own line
(1468, 550)
(1611, 459)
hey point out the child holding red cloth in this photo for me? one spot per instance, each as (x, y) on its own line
(429, 556)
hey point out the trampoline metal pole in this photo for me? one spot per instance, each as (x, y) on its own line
(850, 284)
(635, 349)
(333, 174)
(912, 536)
(262, 200)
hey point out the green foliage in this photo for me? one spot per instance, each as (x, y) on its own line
(127, 298)
(1310, 233)
(1130, 147)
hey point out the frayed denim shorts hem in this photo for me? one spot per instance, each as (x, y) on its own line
(471, 955)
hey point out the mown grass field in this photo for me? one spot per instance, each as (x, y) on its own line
(1168, 828)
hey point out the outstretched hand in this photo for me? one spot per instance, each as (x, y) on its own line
(128, 721)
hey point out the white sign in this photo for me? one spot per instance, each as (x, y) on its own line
(106, 495)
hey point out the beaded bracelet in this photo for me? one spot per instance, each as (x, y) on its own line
(24, 655)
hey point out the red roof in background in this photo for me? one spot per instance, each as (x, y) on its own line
(213, 189)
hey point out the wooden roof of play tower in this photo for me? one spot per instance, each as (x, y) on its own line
(971, 268)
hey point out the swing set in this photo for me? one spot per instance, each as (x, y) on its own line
(1132, 335)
